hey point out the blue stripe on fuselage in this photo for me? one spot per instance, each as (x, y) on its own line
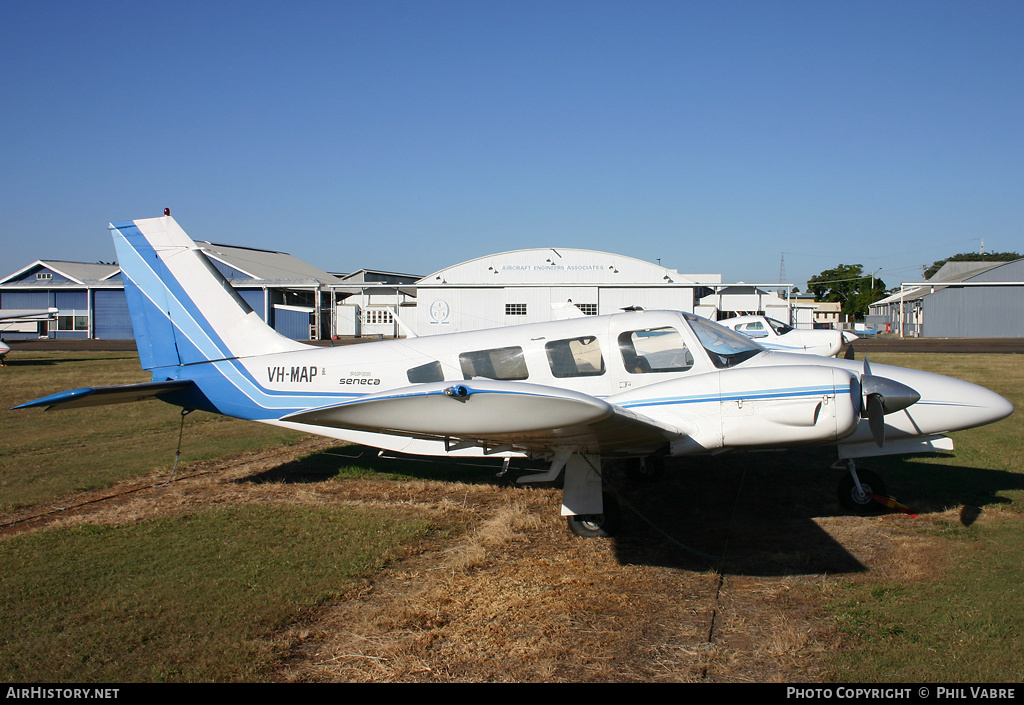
(796, 392)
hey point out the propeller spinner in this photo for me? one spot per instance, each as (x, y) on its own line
(881, 396)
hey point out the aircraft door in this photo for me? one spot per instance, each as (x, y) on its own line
(644, 352)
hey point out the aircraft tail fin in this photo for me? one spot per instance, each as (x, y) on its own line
(183, 310)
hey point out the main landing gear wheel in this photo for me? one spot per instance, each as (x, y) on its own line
(859, 502)
(604, 525)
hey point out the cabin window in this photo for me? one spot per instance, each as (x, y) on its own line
(430, 372)
(498, 363)
(575, 357)
(753, 330)
(654, 350)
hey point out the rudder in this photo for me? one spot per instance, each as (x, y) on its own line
(183, 310)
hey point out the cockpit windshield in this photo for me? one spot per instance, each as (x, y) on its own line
(779, 327)
(725, 347)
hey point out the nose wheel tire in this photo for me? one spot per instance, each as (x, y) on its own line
(604, 525)
(859, 502)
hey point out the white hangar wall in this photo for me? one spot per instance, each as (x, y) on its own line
(536, 285)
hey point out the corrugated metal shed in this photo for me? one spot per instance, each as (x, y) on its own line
(976, 310)
(247, 263)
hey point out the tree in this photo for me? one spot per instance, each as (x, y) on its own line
(971, 257)
(848, 285)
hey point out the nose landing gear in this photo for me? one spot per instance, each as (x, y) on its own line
(862, 491)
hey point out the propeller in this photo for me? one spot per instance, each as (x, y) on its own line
(881, 396)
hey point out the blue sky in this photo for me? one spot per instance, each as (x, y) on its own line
(410, 136)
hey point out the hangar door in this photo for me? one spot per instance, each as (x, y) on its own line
(110, 315)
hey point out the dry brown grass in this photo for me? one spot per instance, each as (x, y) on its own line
(515, 597)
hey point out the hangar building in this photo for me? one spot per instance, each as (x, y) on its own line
(90, 301)
(307, 303)
(747, 299)
(541, 284)
(962, 300)
(372, 303)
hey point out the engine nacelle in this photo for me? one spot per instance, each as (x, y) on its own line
(744, 407)
(795, 405)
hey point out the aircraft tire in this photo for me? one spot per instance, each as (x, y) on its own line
(591, 526)
(851, 500)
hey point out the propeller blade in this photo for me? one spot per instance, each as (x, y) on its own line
(876, 418)
(848, 355)
(881, 396)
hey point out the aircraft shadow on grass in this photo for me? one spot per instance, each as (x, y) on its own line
(743, 514)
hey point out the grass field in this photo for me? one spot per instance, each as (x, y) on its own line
(964, 623)
(193, 597)
(44, 455)
(204, 593)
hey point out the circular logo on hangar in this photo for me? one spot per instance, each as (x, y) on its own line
(439, 311)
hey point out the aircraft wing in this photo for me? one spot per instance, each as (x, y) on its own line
(114, 394)
(10, 315)
(497, 416)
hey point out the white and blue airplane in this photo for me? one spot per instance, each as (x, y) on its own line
(631, 386)
(776, 335)
(9, 317)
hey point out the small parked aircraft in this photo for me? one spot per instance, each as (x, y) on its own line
(11, 318)
(776, 335)
(632, 386)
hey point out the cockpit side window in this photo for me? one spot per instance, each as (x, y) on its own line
(779, 327)
(654, 350)
(575, 357)
(497, 363)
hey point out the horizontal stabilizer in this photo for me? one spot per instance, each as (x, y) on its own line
(494, 413)
(114, 394)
